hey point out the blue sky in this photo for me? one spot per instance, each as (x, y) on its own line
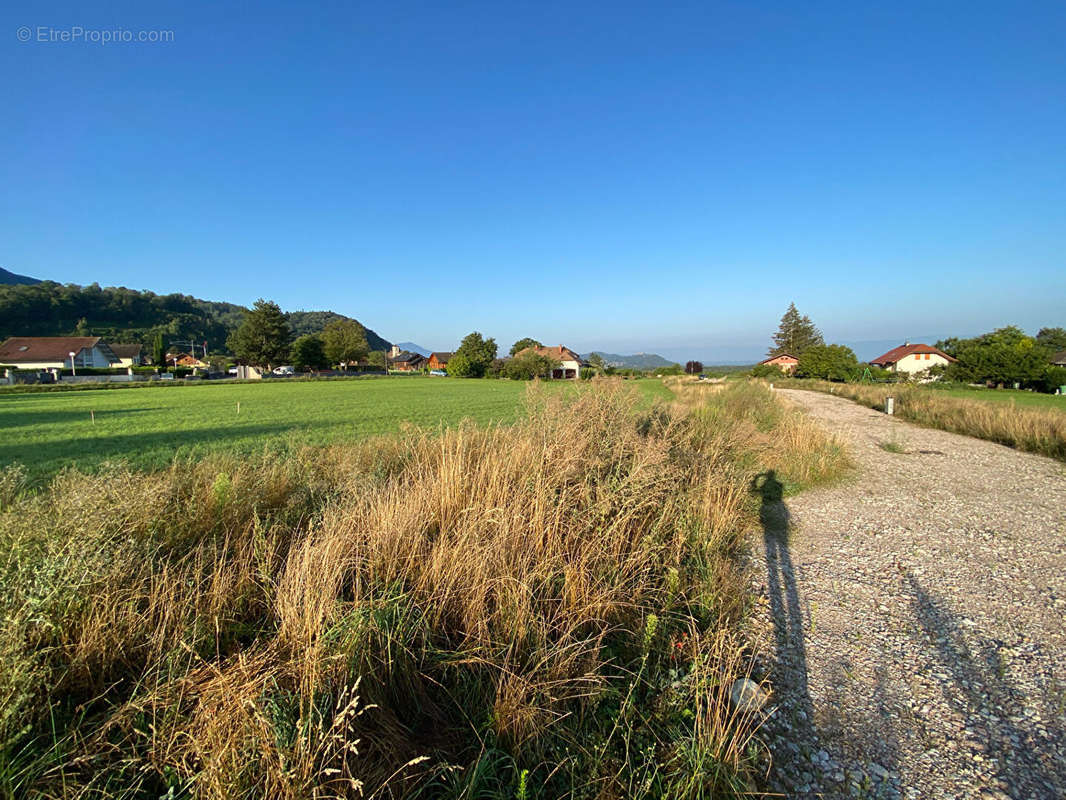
(605, 175)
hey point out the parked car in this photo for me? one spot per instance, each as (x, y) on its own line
(438, 372)
(231, 371)
(284, 372)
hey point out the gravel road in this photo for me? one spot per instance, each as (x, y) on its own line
(914, 618)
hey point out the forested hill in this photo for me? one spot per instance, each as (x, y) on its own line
(7, 277)
(302, 322)
(126, 315)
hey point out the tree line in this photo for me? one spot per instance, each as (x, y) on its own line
(126, 315)
(1001, 357)
(265, 339)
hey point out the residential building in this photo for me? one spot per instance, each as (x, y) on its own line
(129, 355)
(912, 358)
(53, 352)
(569, 362)
(404, 360)
(786, 362)
(1059, 359)
(185, 360)
(439, 360)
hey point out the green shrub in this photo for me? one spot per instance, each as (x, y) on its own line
(768, 371)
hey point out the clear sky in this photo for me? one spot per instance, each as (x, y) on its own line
(656, 177)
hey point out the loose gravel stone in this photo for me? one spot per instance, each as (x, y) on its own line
(912, 619)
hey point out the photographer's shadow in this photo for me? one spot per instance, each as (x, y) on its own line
(785, 609)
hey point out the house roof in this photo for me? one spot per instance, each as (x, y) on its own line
(185, 358)
(904, 350)
(127, 350)
(405, 357)
(46, 348)
(779, 355)
(560, 353)
(445, 357)
(1059, 359)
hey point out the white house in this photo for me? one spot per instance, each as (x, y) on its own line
(569, 361)
(53, 352)
(912, 358)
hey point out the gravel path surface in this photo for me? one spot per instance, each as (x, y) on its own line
(914, 618)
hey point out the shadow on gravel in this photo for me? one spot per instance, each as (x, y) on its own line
(791, 654)
(1026, 753)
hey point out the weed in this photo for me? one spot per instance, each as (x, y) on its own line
(413, 615)
(1036, 429)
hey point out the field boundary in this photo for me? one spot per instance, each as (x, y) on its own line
(1041, 431)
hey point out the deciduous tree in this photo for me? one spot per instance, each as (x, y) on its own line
(308, 352)
(529, 365)
(1052, 339)
(1004, 356)
(829, 362)
(693, 367)
(344, 341)
(473, 357)
(522, 344)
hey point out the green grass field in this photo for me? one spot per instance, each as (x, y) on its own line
(1024, 399)
(148, 427)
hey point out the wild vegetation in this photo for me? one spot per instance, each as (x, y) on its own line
(547, 609)
(1026, 427)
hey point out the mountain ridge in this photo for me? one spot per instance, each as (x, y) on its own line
(9, 278)
(634, 361)
(119, 314)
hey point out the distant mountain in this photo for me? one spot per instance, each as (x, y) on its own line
(414, 348)
(635, 361)
(304, 322)
(11, 279)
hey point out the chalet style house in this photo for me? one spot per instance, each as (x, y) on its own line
(439, 360)
(404, 360)
(53, 352)
(912, 358)
(786, 362)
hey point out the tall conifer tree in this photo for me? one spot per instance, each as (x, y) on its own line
(795, 334)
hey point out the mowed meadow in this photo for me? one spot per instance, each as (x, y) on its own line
(147, 427)
(549, 608)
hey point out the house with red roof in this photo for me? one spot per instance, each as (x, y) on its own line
(912, 358)
(568, 362)
(786, 362)
(57, 352)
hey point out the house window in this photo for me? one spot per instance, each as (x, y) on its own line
(926, 356)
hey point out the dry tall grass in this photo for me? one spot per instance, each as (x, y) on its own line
(547, 610)
(1034, 430)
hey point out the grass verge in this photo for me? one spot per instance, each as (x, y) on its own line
(1035, 430)
(547, 609)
